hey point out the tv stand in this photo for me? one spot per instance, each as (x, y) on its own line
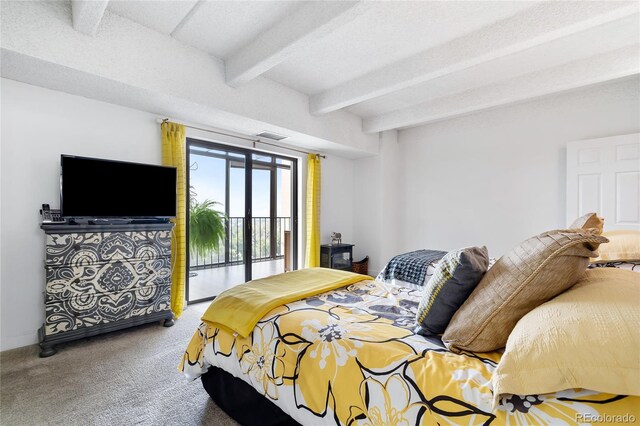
(120, 221)
(109, 221)
(147, 221)
(104, 277)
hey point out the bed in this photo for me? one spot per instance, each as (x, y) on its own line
(352, 356)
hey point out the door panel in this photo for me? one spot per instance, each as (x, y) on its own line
(603, 176)
(266, 261)
(257, 193)
(216, 175)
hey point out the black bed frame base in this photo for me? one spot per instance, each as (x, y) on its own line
(241, 401)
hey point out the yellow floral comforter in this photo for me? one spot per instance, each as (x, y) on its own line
(352, 356)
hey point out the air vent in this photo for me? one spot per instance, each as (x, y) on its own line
(273, 136)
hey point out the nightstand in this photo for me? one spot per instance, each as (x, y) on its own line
(336, 256)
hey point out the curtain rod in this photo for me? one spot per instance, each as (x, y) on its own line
(166, 120)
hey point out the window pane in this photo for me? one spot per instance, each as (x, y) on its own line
(261, 199)
(261, 190)
(283, 161)
(284, 193)
(203, 150)
(207, 179)
(260, 157)
(236, 192)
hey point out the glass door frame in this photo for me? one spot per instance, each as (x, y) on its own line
(248, 201)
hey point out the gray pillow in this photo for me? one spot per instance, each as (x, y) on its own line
(455, 277)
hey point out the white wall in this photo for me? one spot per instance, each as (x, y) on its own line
(336, 205)
(498, 177)
(367, 185)
(378, 203)
(40, 124)
(37, 126)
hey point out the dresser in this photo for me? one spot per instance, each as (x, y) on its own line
(336, 256)
(101, 278)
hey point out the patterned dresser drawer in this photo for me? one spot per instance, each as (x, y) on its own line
(94, 308)
(64, 282)
(77, 249)
(102, 277)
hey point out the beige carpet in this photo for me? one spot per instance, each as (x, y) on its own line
(122, 378)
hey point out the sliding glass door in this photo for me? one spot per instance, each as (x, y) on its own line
(242, 217)
(272, 208)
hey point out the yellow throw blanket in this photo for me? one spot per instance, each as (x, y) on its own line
(241, 307)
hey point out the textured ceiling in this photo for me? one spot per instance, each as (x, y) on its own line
(601, 39)
(388, 32)
(392, 64)
(162, 16)
(223, 27)
(382, 56)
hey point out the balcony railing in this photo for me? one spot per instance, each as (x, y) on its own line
(267, 239)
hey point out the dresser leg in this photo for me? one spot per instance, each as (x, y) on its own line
(47, 351)
(168, 322)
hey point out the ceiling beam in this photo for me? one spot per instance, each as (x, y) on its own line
(535, 26)
(308, 24)
(74, 63)
(574, 75)
(87, 15)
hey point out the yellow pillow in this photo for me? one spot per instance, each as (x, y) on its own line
(587, 337)
(623, 245)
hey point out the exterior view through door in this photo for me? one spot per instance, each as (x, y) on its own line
(254, 232)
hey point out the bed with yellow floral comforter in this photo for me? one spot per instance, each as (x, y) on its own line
(352, 356)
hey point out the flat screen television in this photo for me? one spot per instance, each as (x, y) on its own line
(98, 188)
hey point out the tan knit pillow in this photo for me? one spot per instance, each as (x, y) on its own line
(530, 274)
(589, 220)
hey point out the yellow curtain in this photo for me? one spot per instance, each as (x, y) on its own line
(312, 252)
(174, 154)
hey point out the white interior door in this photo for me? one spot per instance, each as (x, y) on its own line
(603, 176)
